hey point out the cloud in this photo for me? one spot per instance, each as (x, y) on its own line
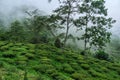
(113, 11)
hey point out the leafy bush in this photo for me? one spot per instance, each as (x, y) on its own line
(102, 55)
(16, 48)
(4, 48)
(85, 52)
(85, 66)
(50, 71)
(69, 70)
(3, 43)
(45, 60)
(55, 75)
(96, 74)
(43, 68)
(9, 54)
(30, 56)
(1, 64)
(104, 69)
(60, 59)
(76, 76)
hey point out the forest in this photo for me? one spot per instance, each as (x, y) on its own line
(74, 42)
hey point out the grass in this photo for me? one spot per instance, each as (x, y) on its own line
(24, 62)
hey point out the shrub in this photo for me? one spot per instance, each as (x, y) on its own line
(23, 53)
(4, 48)
(104, 69)
(1, 64)
(19, 44)
(96, 74)
(42, 77)
(61, 76)
(11, 76)
(32, 51)
(85, 52)
(74, 65)
(9, 60)
(58, 43)
(76, 76)
(3, 43)
(30, 56)
(21, 58)
(10, 45)
(45, 60)
(9, 54)
(31, 46)
(67, 68)
(11, 69)
(115, 68)
(60, 59)
(18, 49)
(85, 66)
(102, 55)
(43, 68)
(55, 75)
(50, 71)
(43, 53)
(21, 61)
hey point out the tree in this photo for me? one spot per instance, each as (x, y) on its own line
(94, 22)
(16, 32)
(35, 24)
(66, 13)
(54, 27)
(42, 27)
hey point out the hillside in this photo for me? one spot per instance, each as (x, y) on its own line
(26, 62)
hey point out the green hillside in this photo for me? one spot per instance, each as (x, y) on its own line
(45, 62)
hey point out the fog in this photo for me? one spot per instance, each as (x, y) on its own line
(13, 9)
(113, 11)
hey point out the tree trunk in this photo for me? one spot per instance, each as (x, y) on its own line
(85, 45)
(68, 22)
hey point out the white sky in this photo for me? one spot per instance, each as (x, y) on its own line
(6, 6)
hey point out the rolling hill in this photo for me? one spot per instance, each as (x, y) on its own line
(25, 61)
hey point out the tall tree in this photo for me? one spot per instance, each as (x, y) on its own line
(35, 24)
(66, 12)
(95, 23)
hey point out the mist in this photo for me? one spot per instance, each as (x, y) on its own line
(14, 9)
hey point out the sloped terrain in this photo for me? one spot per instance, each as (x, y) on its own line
(45, 62)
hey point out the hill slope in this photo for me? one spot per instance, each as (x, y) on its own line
(24, 62)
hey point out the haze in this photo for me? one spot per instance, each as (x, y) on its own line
(10, 8)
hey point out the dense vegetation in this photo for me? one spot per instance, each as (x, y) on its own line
(43, 47)
(24, 62)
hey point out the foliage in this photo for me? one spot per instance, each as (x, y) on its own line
(21, 59)
(58, 43)
(49, 63)
(35, 24)
(16, 32)
(65, 15)
(102, 55)
(94, 23)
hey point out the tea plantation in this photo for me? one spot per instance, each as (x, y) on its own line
(24, 61)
